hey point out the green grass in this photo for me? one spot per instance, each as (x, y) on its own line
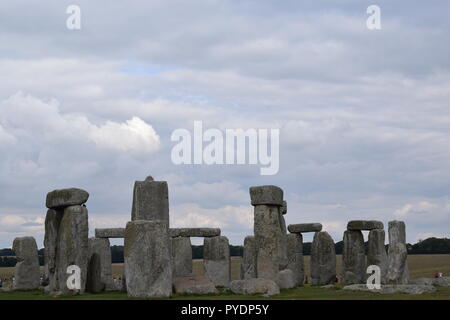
(419, 265)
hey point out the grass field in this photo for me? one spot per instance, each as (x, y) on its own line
(419, 265)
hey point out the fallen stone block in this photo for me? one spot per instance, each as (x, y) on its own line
(259, 286)
(196, 285)
(286, 279)
(393, 289)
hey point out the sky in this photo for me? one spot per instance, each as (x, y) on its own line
(364, 115)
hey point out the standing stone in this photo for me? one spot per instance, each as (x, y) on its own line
(353, 258)
(295, 257)
(248, 265)
(376, 252)
(282, 247)
(323, 259)
(147, 256)
(181, 256)
(397, 253)
(52, 222)
(27, 273)
(72, 246)
(102, 248)
(216, 259)
(94, 283)
(150, 200)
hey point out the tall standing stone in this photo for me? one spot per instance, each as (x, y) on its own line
(282, 251)
(94, 283)
(216, 259)
(268, 226)
(52, 222)
(295, 257)
(72, 246)
(147, 256)
(27, 273)
(248, 265)
(102, 248)
(150, 200)
(376, 252)
(397, 253)
(181, 256)
(353, 258)
(323, 259)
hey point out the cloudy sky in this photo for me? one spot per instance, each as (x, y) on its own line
(364, 115)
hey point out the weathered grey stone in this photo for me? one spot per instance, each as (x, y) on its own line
(397, 253)
(27, 271)
(102, 248)
(266, 195)
(52, 222)
(248, 265)
(353, 258)
(66, 197)
(150, 200)
(282, 247)
(376, 252)
(286, 279)
(268, 239)
(305, 227)
(147, 256)
(295, 257)
(216, 260)
(195, 285)
(94, 283)
(72, 246)
(181, 256)
(260, 286)
(392, 289)
(441, 282)
(110, 233)
(194, 232)
(364, 225)
(283, 208)
(323, 259)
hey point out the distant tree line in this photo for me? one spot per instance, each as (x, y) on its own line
(427, 246)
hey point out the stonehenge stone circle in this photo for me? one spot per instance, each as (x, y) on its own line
(323, 259)
(102, 248)
(397, 253)
(72, 245)
(295, 257)
(194, 232)
(147, 256)
(305, 227)
(150, 200)
(181, 256)
(52, 222)
(353, 257)
(110, 233)
(66, 198)
(27, 273)
(216, 260)
(248, 265)
(376, 252)
(266, 195)
(364, 225)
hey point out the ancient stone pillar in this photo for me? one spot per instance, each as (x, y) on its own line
(216, 260)
(248, 265)
(94, 283)
(72, 246)
(181, 256)
(267, 201)
(397, 253)
(101, 247)
(295, 257)
(376, 252)
(27, 273)
(147, 256)
(323, 259)
(353, 258)
(150, 200)
(283, 259)
(52, 222)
